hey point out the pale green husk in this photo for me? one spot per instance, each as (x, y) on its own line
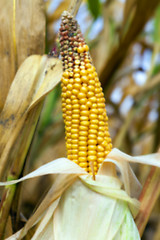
(80, 208)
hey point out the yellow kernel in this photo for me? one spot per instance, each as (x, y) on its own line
(93, 126)
(84, 79)
(90, 70)
(83, 164)
(93, 99)
(68, 123)
(91, 82)
(68, 146)
(76, 70)
(68, 134)
(75, 121)
(68, 93)
(67, 128)
(83, 72)
(100, 148)
(82, 143)
(77, 80)
(100, 139)
(80, 49)
(74, 151)
(75, 157)
(100, 100)
(75, 92)
(85, 123)
(76, 111)
(84, 89)
(91, 88)
(101, 134)
(74, 141)
(69, 157)
(73, 97)
(66, 74)
(97, 90)
(92, 147)
(94, 110)
(74, 106)
(82, 159)
(106, 153)
(82, 148)
(89, 104)
(92, 136)
(74, 136)
(92, 158)
(64, 81)
(91, 76)
(76, 75)
(92, 153)
(101, 105)
(82, 153)
(104, 143)
(77, 86)
(74, 146)
(84, 118)
(83, 100)
(101, 123)
(83, 107)
(101, 117)
(100, 154)
(69, 152)
(81, 95)
(82, 138)
(75, 161)
(69, 107)
(100, 110)
(64, 95)
(84, 113)
(92, 131)
(83, 133)
(93, 116)
(100, 160)
(83, 128)
(68, 113)
(75, 116)
(74, 130)
(86, 48)
(68, 100)
(90, 94)
(92, 141)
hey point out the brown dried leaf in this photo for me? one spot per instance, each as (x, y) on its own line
(22, 33)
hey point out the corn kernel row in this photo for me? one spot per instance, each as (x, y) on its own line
(83, 103)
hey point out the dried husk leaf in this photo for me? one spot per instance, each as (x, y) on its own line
(22, 34)
(83, 208)
(37, 76)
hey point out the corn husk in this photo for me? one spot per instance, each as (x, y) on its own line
(77, 207)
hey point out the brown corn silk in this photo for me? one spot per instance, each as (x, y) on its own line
(83, 103)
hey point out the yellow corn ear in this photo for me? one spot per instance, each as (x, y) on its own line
(83, 103)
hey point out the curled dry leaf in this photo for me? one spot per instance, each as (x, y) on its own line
(83, 208)
(37, 76)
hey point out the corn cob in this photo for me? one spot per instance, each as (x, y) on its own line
(83, 103)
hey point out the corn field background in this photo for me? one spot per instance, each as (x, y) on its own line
(124, 40)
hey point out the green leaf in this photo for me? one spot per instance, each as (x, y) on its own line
(94, 7)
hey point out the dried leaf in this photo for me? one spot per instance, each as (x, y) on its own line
(32, 82)
(21, 35)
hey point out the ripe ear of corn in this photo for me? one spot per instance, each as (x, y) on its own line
(83, 104)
